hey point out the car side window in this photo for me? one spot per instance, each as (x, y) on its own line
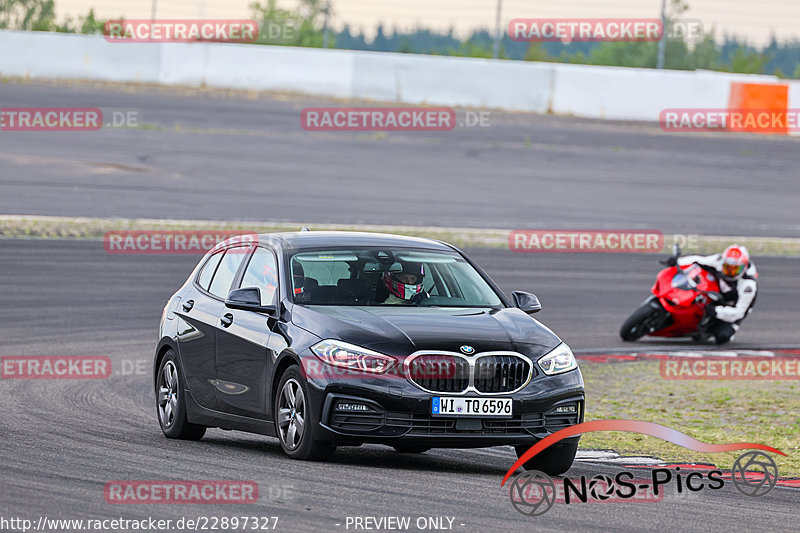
(221, 284)
(262, 272)
(207, 272)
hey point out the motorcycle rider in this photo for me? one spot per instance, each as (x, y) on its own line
(405, 286)
(737, 277)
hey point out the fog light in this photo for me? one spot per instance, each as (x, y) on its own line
(571, 408)
(359, 407)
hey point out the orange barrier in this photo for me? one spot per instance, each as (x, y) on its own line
(753, 101)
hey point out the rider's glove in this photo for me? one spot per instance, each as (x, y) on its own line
(711, 311)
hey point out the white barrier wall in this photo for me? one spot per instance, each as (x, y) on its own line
(637, 93)
(580, 90)
(67, 56)
(467, 82)
(794, 95)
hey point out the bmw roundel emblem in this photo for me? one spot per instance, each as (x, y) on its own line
(467, 349)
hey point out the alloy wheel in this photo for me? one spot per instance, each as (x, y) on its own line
(168, 394)
(291, 414)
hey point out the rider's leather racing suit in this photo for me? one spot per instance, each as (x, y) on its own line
(738, 296)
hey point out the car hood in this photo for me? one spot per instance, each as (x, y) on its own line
(404, 330)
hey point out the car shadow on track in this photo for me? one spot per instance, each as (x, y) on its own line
(379, 457)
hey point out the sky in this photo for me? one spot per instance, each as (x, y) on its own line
(754, 20)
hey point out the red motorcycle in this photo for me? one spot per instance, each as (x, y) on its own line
(677, 307)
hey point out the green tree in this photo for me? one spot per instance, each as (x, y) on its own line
(624, 54)
(90, 24)
(475, 48)
(748, 61)
(536, 52)
(705, 54)
(300, 27)
(36, 15)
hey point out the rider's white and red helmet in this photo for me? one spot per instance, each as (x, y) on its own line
(407, 283)
(735, 261)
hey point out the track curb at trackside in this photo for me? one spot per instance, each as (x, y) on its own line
(54, 227)
(619, 355)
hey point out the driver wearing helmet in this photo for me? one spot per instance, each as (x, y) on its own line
(737, 277)
(405, 286)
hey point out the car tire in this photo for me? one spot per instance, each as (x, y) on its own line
(294, 418)
(411, 449)
(171, 401)
(553, 461)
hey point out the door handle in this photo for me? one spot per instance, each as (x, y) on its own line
(226, 320)
(187, 305)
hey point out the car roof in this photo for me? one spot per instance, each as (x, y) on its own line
(299, 240)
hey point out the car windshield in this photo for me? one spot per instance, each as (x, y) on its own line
(381, 276)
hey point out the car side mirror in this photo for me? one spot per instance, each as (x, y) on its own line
(527, 302)
(249, 299)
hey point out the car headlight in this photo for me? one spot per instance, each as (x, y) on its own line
(558, 361)
(342, 354)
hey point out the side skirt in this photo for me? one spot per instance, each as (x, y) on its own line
(200, 415)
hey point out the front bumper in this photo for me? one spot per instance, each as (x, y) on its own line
(397, 412)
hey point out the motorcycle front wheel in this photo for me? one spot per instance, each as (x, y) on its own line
(644, 319)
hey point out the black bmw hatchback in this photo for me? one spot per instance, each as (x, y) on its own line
(329, 339)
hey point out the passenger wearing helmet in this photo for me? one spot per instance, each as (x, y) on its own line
(737, 277)
(405, 286)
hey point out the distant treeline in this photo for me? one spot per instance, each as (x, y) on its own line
(733, 55)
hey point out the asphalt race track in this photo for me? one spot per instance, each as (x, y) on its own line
(63, 440)
(73, 297)
(211, 156)
(222, 157)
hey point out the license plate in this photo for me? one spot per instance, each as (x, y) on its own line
(475, 407)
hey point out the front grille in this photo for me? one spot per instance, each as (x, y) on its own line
(500, 373)
(416, 424)
(419, 423)
(439, 373)
(492, 373)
